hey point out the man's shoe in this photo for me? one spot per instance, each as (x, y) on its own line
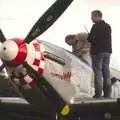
(97, 96)
(107, 97)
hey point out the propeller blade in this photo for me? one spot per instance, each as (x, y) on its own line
(2, 37)
(47, 19)
(2, 67)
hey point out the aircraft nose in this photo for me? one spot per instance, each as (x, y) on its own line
(8, 50)
(13, 52)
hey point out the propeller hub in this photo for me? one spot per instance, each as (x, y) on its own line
(8, 50)
(13, 51)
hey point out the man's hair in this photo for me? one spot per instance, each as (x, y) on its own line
(97, 13)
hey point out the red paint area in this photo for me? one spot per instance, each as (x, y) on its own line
(22, 53)
(36, 46)
(64, 76)
(32, 84)
(41, 71)
(42, 57)
(36, 62)
(38, 59)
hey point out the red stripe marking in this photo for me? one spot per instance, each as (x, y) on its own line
(22, 53)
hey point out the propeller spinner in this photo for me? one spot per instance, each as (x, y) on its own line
(8, 50)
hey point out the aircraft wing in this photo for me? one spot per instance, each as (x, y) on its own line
(14, 108)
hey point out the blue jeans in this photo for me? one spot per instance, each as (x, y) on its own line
(102, 81)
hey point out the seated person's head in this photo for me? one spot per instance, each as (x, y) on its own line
(78, 42)
(70, 39)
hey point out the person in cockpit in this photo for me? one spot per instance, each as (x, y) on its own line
(79, 43)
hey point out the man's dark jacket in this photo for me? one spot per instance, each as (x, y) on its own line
(100, 38)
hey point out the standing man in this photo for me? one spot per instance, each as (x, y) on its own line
(101, 49)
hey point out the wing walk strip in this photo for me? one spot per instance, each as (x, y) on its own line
(83, 101)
